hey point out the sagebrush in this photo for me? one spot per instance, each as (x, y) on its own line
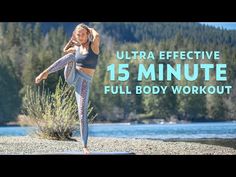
(54, 114)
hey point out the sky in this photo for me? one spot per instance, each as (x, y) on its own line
(226, 25)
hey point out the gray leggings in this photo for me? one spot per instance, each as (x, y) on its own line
(81, 82)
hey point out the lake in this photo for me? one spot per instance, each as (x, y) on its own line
(151, 131)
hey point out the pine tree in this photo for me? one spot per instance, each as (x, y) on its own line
(9, 91)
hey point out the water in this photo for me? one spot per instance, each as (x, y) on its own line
(167, 131)
(153, 131)
(15, 131)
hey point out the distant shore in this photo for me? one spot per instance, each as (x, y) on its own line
(23, 120)
(28, 122)
(31, 145)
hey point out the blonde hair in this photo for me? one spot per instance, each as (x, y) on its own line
(82, 26)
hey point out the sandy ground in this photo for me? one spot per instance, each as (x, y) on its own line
(31, 145)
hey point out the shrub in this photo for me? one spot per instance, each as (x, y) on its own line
(54, 114)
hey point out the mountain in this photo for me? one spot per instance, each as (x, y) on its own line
(139, 31)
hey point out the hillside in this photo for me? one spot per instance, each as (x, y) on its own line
(138, 31)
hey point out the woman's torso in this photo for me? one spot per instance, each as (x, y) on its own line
(82, 52)
(88, 71)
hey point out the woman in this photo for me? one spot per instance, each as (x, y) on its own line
(80, 61)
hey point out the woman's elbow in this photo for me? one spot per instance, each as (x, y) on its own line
(97, 35)
(64, 50)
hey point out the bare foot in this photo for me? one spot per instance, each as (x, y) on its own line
(40, 77)
(86, 151)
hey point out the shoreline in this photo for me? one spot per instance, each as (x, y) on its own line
(28, 145)
(133, 122)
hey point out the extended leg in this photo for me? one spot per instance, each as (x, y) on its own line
(61, 63)
(70, 72)
(82, 95)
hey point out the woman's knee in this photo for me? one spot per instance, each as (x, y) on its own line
(70, 57)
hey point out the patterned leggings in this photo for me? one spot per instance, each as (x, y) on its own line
(81, 81)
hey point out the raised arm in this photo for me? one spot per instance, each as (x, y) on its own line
(70, 46)
(95, 40)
